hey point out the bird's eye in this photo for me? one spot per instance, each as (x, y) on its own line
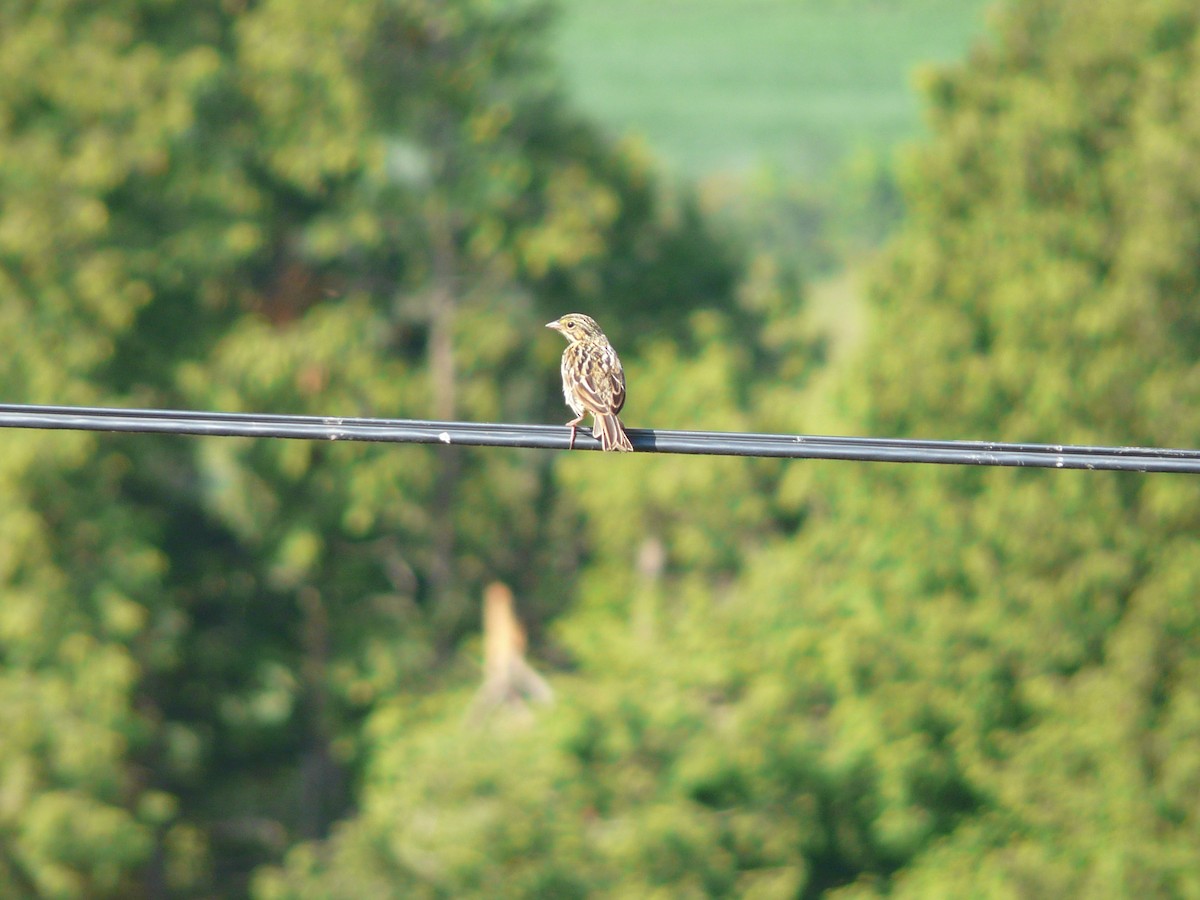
(570, 324)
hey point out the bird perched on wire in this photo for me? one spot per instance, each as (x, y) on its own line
(593, 380)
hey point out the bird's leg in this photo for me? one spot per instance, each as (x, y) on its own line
(572, 425)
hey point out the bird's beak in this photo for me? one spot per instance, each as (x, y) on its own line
(556, 325)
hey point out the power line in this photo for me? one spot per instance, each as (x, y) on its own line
(556, 437)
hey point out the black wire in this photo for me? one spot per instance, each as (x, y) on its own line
(556, 437)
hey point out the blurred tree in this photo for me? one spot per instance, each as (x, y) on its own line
(84, 112)
(362, 208)
(980, 625)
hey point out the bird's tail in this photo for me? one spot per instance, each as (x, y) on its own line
(610, 433)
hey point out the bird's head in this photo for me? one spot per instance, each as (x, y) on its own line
(577, 327)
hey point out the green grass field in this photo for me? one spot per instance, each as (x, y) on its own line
(723, 85)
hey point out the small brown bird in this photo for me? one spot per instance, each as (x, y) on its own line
(593, 380)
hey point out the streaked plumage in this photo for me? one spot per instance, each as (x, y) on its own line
(593, 380)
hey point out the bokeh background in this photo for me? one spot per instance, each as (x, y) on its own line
(255, 668)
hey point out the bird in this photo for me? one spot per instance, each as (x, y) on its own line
(593, 380)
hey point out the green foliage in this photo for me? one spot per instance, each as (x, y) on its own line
(241, 666)
(1017, 303)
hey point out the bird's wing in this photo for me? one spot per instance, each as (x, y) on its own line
(614, 376)
(592, 398)
(618, 389)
